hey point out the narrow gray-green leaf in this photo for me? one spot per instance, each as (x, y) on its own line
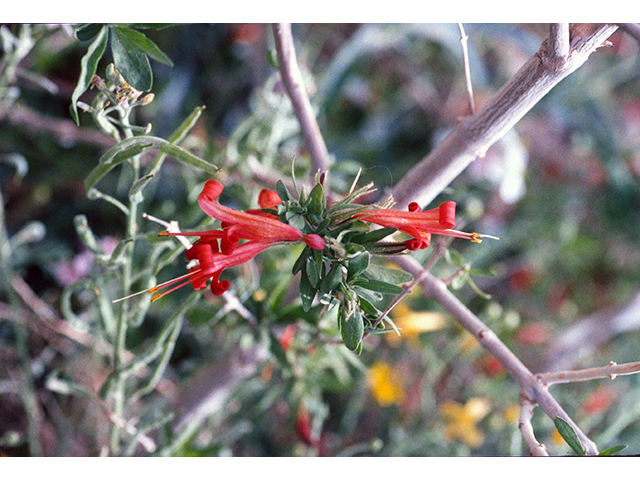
(88, 67)
(607, 452)
(177, 136)
(136, 145)
(569, 435)
(185, 127)
(137, 41)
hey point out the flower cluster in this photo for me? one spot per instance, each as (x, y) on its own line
(218, 249)
(339, 240)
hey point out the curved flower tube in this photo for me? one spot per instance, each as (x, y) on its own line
(419, 224)
(237, 225)
(267, 199)
(211, 265)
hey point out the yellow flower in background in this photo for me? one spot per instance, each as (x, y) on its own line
(385, 385)
(512, 414)
(412, 323)
(462, 420)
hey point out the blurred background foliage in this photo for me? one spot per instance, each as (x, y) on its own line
(561, 191)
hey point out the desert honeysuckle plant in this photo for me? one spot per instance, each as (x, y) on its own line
(335, 265)
(251, 273)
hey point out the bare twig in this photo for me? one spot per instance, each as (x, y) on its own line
(532, 389)
(610, 371)
(473, 135)
(293, 84)
(536, 448)
(467, 70)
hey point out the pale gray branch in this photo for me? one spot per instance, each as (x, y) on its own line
(610, 371)
(559, 41)
(473, 135)
(293, 84)
(536, 448)
(467, 69)
(532, 389)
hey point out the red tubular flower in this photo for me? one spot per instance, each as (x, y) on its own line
(267, 199)
(419, 224)
(237, 225)
(211, 265)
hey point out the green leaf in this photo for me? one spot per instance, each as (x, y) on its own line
(607, 452)
(177, 136)
(388, 275)
(357, 265)
(87, 31)
(332, 279)
(272, 58)
(185, 127)
(86, 234)
(88, 67)
(317, 202)
(300, 261)
(351, 328)
(378, 286)
(136, 145)
(132, 65)
(454, 258)
(137, 41)
(368, 308)
(312, 271)
(307, 292)
(569, 435)
(283, 191)
(154, 26)
(296, 220)
(372, 236)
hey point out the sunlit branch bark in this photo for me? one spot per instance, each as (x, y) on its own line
(475, 134)
(610, 371)
(536, 448)
(293, 84)
(467, 69)
(559, 41)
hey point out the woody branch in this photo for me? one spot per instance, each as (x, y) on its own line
(293, 84)
(533, 390)
(474, 134)
(559, 55)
